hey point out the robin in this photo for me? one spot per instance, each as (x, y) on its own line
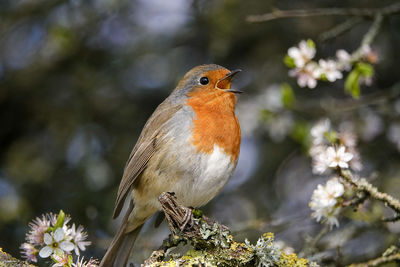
(190, 146)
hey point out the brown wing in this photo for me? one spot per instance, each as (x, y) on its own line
(145, 147)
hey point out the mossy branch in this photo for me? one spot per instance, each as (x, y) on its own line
(213, 243)
(363, 186)
(392, 254)
(6, 260)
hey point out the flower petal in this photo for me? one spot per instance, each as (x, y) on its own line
(67, 246)
(347, 156)
(294, 52)
(343, 165)
(333, 164)
(45, 252)
(47, 239)
(312, 83)
(330, 152)
(341, 150)
(59, 235)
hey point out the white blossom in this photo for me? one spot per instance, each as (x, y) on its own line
(348, 138)
(344, 59)
(306, 76)
(60, 260)
(329, 68)
(78, 237)
(324, 201)
(37, 229)
(329, 157)
(320, 159)
(272, 99)
(301, 54)
(369, 54)
(55, 244)
(366, 49)
(81, 263)
(338, 157)
(279, 126)
(318, 131)
(29, 252)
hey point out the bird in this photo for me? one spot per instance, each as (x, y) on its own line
(189, 146)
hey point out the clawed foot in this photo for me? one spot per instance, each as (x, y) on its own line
(187, 219)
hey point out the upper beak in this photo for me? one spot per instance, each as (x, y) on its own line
(229, 78)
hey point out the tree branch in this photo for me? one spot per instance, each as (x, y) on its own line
(363, 12)
(9, 261)
(390, 255)
(331, 106)
(213, 243)
(340, 29)
(364, 186)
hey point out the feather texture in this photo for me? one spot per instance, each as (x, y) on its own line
(145, 147)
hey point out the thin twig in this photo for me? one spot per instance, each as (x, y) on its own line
(378, 261)
(368, 38)
(335, 106)
(355, 202)
(363, 185)
(358, 54)
(311, 244)
(340, 29)
(361, 12)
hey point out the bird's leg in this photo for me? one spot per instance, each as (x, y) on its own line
(187, 218)
(178, 217)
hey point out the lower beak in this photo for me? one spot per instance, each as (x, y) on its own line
(228, 78)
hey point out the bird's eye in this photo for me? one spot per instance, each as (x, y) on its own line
(204, 80)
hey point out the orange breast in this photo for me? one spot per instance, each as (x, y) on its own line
(215, 122)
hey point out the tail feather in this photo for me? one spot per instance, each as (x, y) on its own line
(117, 254)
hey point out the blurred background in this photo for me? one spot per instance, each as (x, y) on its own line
(78, 80)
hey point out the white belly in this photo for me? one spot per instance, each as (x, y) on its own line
(209, 177)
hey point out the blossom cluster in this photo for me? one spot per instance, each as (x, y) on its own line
(308, 72)
(52, 236)
(331, 149)
(325, 201)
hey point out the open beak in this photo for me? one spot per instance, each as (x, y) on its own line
(224, 82)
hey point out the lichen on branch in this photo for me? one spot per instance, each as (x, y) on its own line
(213, 243)
(9, 261)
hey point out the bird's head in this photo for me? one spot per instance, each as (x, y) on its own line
(208, 78)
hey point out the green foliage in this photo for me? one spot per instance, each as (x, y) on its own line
(288, 97)
(310, 43)
(60, 220)
(323, 77)
(197, 213)
(300, 133)
(331, 136)
(352, 83)
(266, 115)
(289, 62)
(365, 69)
